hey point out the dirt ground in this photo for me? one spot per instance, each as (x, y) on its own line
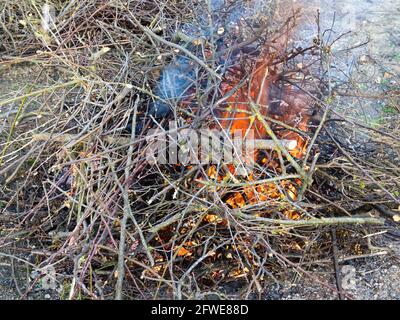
(378, 63)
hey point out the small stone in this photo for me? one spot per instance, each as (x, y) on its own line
(387, 75)
(364, 59)
(394, 269)
(47, 296)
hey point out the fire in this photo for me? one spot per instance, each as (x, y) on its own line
(266, 192)
(275, 102)
(254, 81)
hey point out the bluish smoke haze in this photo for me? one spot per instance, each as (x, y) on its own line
(178, 77)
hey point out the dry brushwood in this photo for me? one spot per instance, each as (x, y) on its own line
(76, 182)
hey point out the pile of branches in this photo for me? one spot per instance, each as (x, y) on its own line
(77, 186)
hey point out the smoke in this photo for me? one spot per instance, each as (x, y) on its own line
(174, 85)
(224, 21)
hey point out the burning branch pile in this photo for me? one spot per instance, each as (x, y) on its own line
(114, 181)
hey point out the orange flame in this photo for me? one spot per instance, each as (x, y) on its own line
(292, 110)
(290, 107)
